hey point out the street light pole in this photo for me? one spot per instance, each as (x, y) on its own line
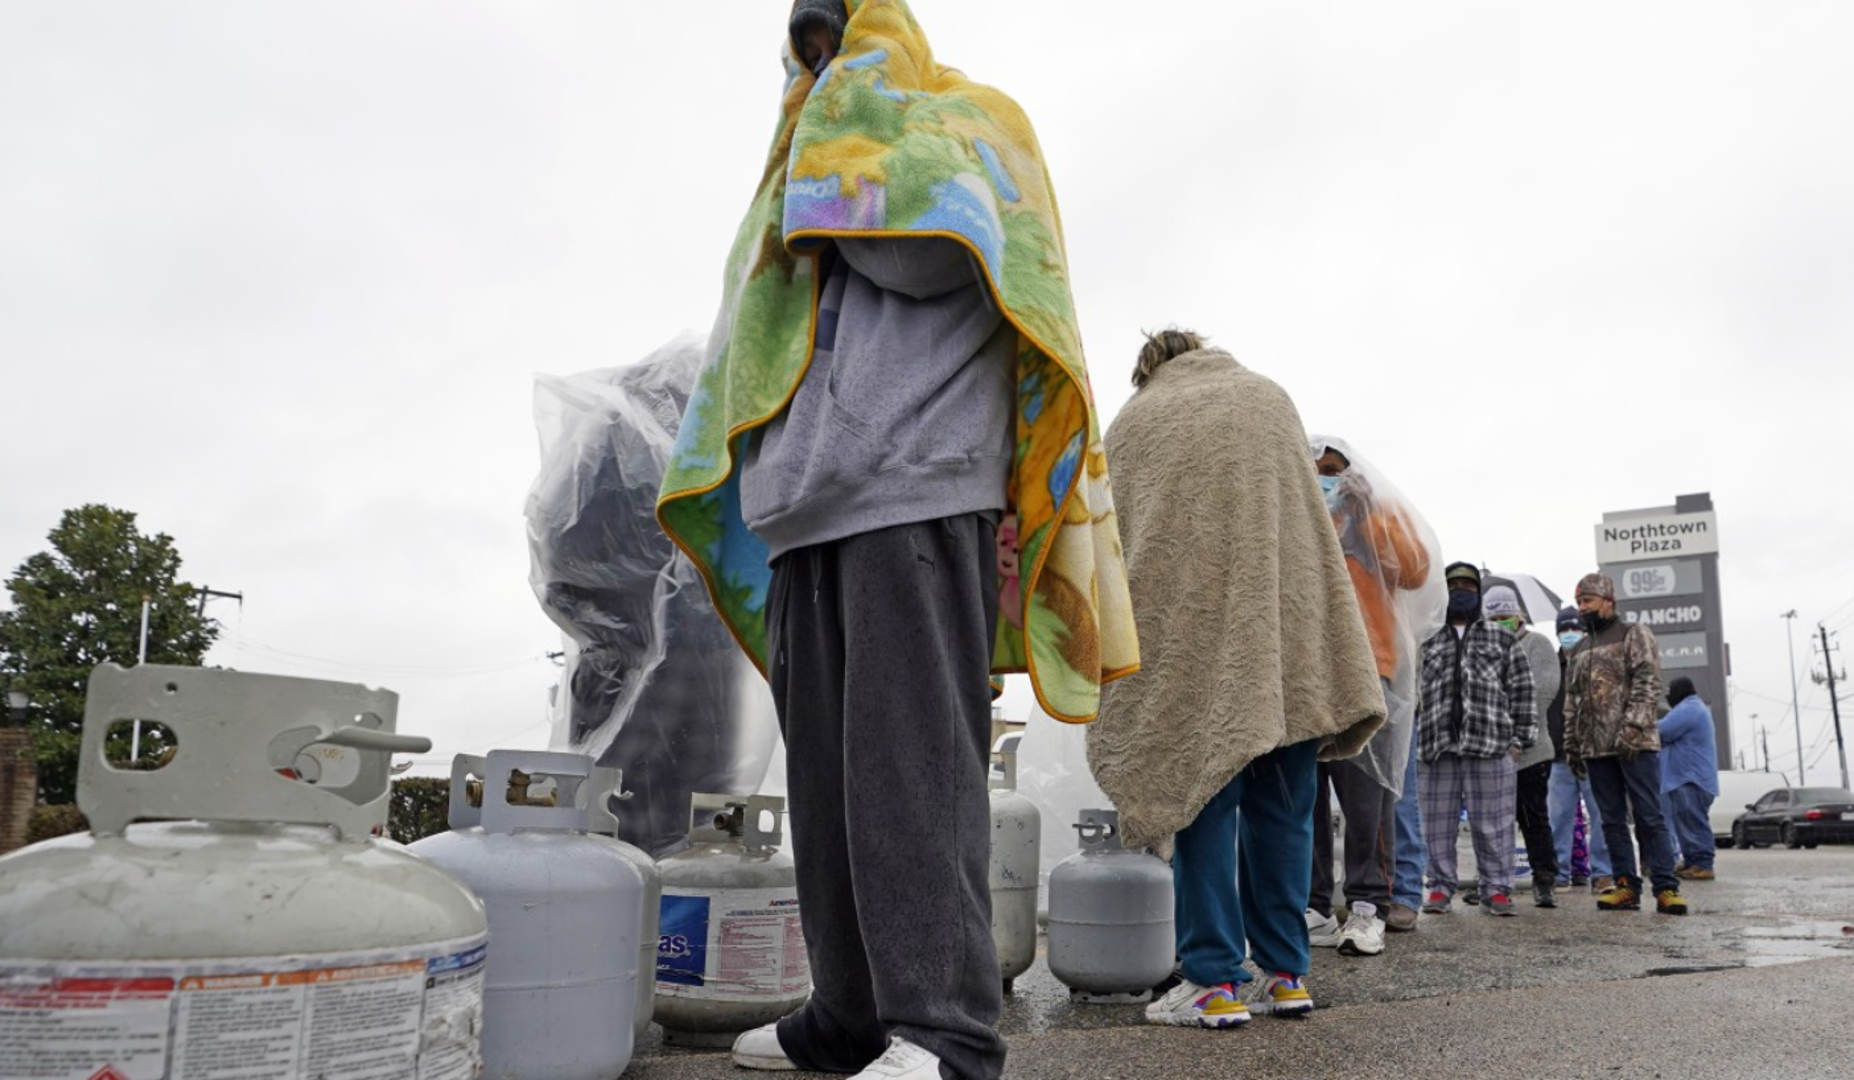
(1802, 767)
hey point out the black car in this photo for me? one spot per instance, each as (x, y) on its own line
(1797, 817)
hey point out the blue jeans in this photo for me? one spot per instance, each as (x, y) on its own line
(1693, 824)
(1411, 852)
(1633, 788)
(1220, 920)
(1566, 790)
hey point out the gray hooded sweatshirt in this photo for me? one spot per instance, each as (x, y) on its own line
(905, 413)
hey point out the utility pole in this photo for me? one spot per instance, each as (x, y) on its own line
(206, 593)
(1763, 733)
(1802, 767)
(1834, 703)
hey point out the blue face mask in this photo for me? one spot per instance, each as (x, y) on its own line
(1568, 639)
(1329, 485)
(1464, 602)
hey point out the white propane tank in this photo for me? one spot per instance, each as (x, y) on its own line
(607, 785)
(1110, 916)
(1016, 828)
(560, 990)
(247, 923)
(731, 953)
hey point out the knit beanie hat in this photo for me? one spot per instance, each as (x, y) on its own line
(1569, 618)
(1596, 585)
(1501, 602)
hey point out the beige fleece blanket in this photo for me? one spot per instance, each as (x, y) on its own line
(1250, 633)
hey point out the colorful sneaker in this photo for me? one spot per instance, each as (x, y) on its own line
(1323, 931)
(1277, 994)
(1191, 1005)
(1670, 902)
(1437, 904)
(1364, 931)
(1620, 896)
(1498, 904)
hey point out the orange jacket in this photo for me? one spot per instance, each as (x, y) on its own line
(1402, 563)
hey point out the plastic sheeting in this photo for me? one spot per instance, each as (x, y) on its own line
(1053, 773)
(1377, 528)
(654, 684)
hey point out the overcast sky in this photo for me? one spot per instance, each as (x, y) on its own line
(277, 276)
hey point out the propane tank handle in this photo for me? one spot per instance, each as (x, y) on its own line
(606, 784)
(1098, 830)
(234, 732)
(1008, 780)
(570, 773)
(363, 738)
(721, 818)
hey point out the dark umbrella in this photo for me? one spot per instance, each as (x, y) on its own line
(1541, 603)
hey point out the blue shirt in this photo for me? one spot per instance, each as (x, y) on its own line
(1688, 753)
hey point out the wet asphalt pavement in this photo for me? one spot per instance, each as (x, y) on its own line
(1757, 982)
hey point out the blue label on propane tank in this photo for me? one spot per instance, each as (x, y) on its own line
(682, 944)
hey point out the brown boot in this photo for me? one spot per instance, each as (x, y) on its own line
(1400, 918)
(1699, 873)
(1602, 883)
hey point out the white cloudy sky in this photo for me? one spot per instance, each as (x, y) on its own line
(277, 275)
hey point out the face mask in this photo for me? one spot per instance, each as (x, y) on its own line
(1464, 602)
(1594, 622)
(1510, 624)
(1568, 639)
(1328, 486)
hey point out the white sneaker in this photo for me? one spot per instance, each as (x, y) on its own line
(1364, 932)
(902, 1061)
(1323, 931)
(760, 1049)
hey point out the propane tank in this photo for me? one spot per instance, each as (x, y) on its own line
(607, 785)
(560, 990)
(247, 921)
(1016, 826)
(1110, 916)
(730, 954)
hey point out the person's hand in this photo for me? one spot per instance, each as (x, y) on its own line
(1579, 769)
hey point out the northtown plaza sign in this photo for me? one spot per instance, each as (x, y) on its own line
(1658, 535)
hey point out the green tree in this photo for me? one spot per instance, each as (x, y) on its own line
(80, 605)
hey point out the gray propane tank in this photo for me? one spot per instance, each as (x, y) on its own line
(607, 785)
(731, 953)
(1016, 827)
(560, 990)
(246, 918)
(1110, 916)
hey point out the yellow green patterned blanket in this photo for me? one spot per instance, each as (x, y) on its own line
(887, 142)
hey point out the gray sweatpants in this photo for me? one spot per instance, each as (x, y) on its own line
(1370, 852)
(881, 644)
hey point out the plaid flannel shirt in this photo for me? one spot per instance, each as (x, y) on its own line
(1486, 672)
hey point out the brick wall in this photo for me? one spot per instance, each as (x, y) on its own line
(19, 783)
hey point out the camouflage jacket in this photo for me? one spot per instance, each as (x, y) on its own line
(1614, 679)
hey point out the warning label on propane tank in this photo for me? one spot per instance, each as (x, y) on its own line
(731, 944)
(377, 1015)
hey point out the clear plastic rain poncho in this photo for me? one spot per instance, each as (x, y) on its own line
(1392, 557)
(654, 684)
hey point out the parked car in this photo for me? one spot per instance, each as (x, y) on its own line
(1797, 818)
(1735, 790)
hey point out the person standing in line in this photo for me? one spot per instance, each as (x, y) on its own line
(1570, 794)
(895, 385)
(1690, 776)
(1477, 719)
(1610, 735)
(1533, 768)
(1254, 667)
(1387, 549)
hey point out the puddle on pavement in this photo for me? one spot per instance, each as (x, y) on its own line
(1793, 942)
